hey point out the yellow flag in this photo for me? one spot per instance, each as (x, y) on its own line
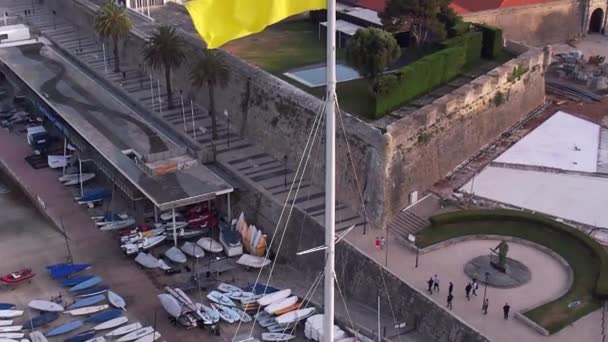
(220, 21)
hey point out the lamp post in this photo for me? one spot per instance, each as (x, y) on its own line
(285, 170)
(193, 124)
(485, 289)
(54, 22)
(181, 97)
(228, 118)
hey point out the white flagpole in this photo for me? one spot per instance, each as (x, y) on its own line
(330, 172)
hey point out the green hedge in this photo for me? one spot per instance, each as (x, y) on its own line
(394, 89)
(601, 288)
(492, 41)
(472, 41)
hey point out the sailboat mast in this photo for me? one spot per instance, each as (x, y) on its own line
(330, 172)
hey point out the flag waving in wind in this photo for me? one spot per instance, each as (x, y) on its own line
(220, 21)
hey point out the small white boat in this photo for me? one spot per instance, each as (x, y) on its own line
(147, 243)
(248, 260)
(124, 329)
(274, 297)
(182, 233)
(12, 328)
(87, 310)
(280, 305)
(183, 296)
(168, 216)
(146, 260)
(175, 255)
(75, 177)
(170, 304)
(135, 237)
(226, 313)
(163, 265)
(134, 335)
(211, 315)
(77, 180)
(45, 305)
(294, 316)
(241, 296)
(116, 300)
(10, 313)
(220, 298)
(12, 335)
(275, 337)
(228, 288)
(37, 336)
(117, 225)
(5, 323)
(149, 338)
(57, 161)
(97, 339)
(244, 317)
(210, 245)
(192, 250)
(113, 323)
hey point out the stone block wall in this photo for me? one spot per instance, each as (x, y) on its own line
(277, 117)
(427, 145)
(540, 24)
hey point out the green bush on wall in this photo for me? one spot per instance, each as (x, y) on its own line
(394, 89)
(472, 41)
(492, 41)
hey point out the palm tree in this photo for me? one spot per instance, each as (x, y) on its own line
(112, 21)
(165, 49)
(210, 70)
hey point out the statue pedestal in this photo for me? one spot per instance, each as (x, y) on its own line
(513, 275)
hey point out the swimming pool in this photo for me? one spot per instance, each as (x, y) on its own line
(315, 76)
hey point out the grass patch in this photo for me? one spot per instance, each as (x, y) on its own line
(283, 46)
(585, 263)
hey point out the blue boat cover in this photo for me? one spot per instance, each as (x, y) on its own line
(231, 237)
(86, 284)
(41, 320)
(75, 280)
(95, 195)
(103, 316)
(64, 270)
(83, 336)
(87, 302)
(260, 289)
(6, 306)
(92, 291)
(65, 328)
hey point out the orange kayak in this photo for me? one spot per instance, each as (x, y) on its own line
(288, 309)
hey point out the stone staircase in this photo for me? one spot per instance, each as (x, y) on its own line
(405, 223)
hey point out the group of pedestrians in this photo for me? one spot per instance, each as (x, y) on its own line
(470, 290)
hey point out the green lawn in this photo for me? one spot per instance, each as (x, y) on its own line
(283, 46)
(555, 315)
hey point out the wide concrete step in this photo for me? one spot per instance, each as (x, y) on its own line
(406, 223)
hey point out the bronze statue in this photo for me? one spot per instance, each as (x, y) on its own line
(501, 250)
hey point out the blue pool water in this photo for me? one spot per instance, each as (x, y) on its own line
(315, 76)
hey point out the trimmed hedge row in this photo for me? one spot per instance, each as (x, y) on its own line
(472, 41)
(601, 288)
(394, 89)
(492, 41)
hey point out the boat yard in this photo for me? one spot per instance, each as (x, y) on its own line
(161, 187)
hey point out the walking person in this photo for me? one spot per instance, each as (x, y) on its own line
(450, 298)
(436, 283)
(467, 290)
(450, 288)
(485, 305)
(377, 242)
(430, 283)
(475, 287)
(382, 242)
(505, 310)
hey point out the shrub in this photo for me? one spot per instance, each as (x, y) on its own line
(499, 98)
(492, 41)
(413, 80)
(371, 50)
(472, 41)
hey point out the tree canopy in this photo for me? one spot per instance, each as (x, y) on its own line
(113, 22)
(371, 50)
(418, 17)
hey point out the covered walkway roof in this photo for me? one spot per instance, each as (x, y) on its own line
(78, 103)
